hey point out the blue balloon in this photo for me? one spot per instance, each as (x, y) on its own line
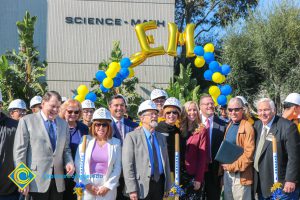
(91, 96)
(124, 72)
(222, 100)
(214, 66)
(100, 75)
(117, 82)
(209, 57)
(199, 51)
(226, 90)
(103, 89)
(208, 75)
(225, 69)
(125, 62)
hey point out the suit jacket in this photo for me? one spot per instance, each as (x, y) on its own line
(136, 162)
(33, 147)
(287, 151)
(111, 178)
(128, 127)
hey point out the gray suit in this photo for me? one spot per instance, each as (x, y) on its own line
(33, 147)
(136, 162)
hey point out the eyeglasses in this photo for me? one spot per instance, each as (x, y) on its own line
(76, 112)
(151, 114)
(22, 112)
(207, 104)
(234, 109)
(159, 100)
(104, 125)
(173, 112)
(88, 111)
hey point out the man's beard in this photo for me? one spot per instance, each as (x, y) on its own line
(153, 124)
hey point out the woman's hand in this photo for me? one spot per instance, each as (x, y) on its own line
(197, 185)
(102, 191)
(92, 189)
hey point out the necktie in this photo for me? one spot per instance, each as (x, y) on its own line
(52, 135)
(119, 125)
(260, 146)
(155, 160)
(207, 125)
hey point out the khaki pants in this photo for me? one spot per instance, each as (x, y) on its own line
(233, 190)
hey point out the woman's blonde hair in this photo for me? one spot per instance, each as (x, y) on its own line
(109, 128)
(184, 118)
(70, 103)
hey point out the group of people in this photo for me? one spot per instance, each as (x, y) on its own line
(70, 144)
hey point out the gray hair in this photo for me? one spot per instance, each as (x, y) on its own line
(47, 96)
(268, 100)
(236, 100)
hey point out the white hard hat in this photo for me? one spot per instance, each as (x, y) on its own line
(156, 93)
(1, 100)
(17, 103)
(243, 99)
(293, 98)
(88, 104)
(101, 113)
(35, 100)
(64, 99)
(172, 101)
(147, 105)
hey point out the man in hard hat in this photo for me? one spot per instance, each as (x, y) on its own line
(88, 109)
(8, 126)
(291, 106)
(159, 97)
(35, 104)
(17, 109)
(145, 158)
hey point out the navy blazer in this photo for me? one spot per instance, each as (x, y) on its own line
(129, 126)
(288, 145)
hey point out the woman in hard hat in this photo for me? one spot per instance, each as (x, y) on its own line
(159, 97)
(35, 104)
(102, 163)
(291, 106)
(71, 111)
(88, 109)
(171, 113)
(17, 109)
(193, 150)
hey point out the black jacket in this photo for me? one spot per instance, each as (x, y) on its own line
(288, 145)
(8, 129)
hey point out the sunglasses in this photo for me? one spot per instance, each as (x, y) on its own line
(173, 112)
(101, 124)
(234, 109)
(88, 111)
(76, 112)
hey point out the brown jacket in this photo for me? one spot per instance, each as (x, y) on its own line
(244, 164)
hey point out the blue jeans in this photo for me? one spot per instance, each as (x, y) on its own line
(285, 196)
(14, 196)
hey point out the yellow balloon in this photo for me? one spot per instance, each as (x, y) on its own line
(215, 101)
(214, 91)
(137, 58)
(145, 40)
(223, 79)
(80, 98)
(217, 77)
(209, 47)
(199, 61)
(108, 82)
(131, 72)
(111, 73)
(82, 90)
(114, 66)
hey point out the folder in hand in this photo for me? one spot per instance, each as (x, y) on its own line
(228, 152)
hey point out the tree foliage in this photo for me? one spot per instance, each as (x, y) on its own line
(184, 87)
(127, 88)
(22, 74)
(265, 54)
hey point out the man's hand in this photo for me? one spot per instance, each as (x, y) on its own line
(289, 187)
(25, 191)
(225, 167)
(102, 191)
(92, 189)
(133, 196)
(197, 185)
(70, 169)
